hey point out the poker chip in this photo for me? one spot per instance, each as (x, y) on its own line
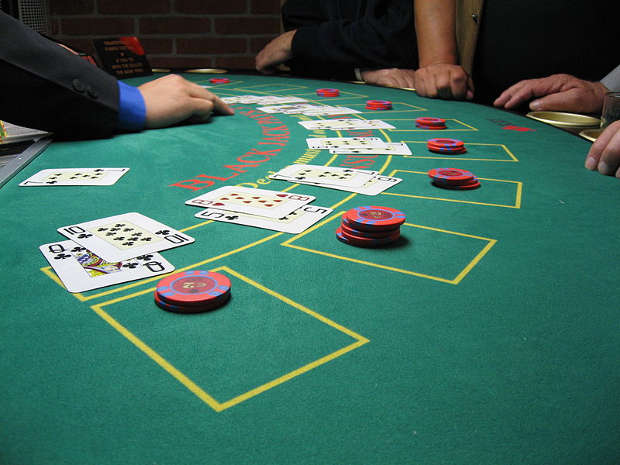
(374, 218)
(451, 175)
(350, 230)
(453, 178)
(220, 80)
(362, 241)
(328, 92)
(427, 122)
(193, 291)
(378, 105)
(446, 145)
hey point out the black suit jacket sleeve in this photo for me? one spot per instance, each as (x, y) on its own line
(47, 87)
(335, 36)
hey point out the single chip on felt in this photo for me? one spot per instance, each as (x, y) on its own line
(194, 287)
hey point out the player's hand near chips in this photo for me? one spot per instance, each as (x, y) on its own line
(172, 99)
(390, 77)
(275, 52)
(444, 80)
(604, 155)
(558, 92)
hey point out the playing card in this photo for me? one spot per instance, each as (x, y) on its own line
(350, 123)
(75, 177)
(377, 185)
(261, 202)
(120, 237)
(328, 110)
(319, 143)
(294, 223)
(289, 109)
(81, 270)
(316, 174)
(391, 148)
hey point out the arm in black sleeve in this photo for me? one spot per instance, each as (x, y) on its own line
(47, 87)
(381, 36)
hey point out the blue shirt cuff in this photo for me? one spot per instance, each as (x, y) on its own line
(131, 108)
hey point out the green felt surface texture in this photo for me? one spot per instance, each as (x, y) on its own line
(490, 334)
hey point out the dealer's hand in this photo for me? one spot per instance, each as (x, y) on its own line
(558, 92)
(390, 77)
(445, 81)
(275, 52)
(172, 99)
(604, 155)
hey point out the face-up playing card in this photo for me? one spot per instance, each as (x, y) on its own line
(75, 177)
(261, 202)
(328, 110)
(294, 223)
(391, 148)
(81, 270)
(291, 109)
(316, 174)
(320, 143)
(120, 237)
(350, 123)
(377, 185)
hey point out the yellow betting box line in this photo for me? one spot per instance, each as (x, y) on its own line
(191, 385)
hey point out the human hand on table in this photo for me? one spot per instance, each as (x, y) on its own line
(558, 92)
(604, 155)
(172, 99)
(444, 81)
(275, 52)
(390, 77)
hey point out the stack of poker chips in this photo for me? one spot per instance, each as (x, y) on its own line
(378, 105)
(193, 291)
(327, 92)
(370, 226)
(220, 80)
(445, 145)
(430, 123)
(453, 178)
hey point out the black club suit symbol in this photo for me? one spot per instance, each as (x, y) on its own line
(84, 236)
(131, 265)
(61, 256)
(163, 232)
(78, 249)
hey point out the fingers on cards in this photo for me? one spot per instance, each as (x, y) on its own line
(112, 250)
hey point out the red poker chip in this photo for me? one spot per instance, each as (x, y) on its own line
(447, 151)
(451, 175)
(347, 229)
(446, 142)
(194, 287)
(219, 80)
(374, 218)
(429, 121)
(328, 92)
(461, 187)
(421, 126)
(191, 308)
(364, 241)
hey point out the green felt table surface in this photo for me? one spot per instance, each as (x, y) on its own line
(490, 334)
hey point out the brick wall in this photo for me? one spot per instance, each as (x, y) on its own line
(174, 33)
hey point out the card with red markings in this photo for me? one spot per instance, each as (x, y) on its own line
(262, 202)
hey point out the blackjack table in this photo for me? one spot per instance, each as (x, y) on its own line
(488, 333)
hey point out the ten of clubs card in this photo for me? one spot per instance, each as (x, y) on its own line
(120, 237)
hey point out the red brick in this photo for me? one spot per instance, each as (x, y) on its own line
(265, 6)
(156, 46)
(175, 25)
(247, 25)
(215, 45)
(124, 7)
(176, 62)
(72, 7)
(235, 62)
(211, 7)
(257, 43)
(96, 26)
